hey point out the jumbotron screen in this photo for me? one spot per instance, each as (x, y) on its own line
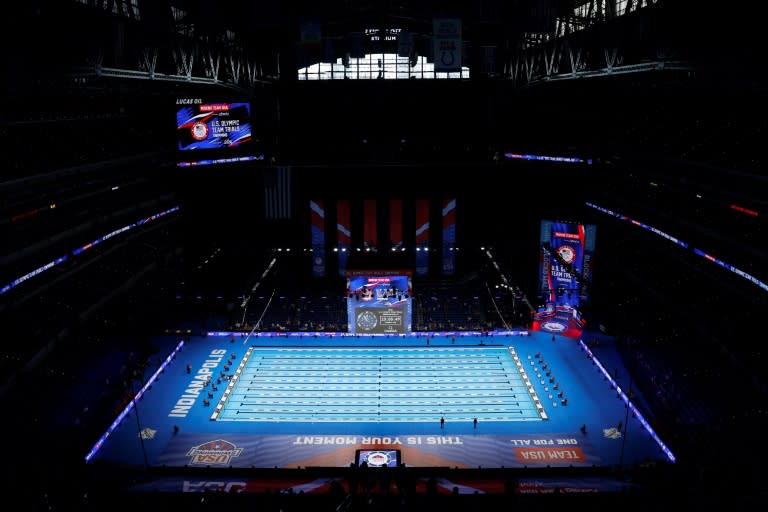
(378, 458)
(379, 304)
(566, 262)
(204, 125)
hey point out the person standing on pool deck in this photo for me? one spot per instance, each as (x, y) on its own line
(442, 421)
(474, 423)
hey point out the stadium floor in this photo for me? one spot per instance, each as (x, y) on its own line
(316, 416)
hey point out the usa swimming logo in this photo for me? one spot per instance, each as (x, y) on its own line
(213, 453)
(378, 459)
(567, 253)
(554, 326)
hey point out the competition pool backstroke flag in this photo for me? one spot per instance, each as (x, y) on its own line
(202, 125)
(379, 302)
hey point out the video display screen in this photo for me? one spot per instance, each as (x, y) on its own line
(566, 264)
(203, 125)
(378, 458)
(379, 304)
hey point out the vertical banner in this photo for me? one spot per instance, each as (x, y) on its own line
(545, 282)
(449, 237)
(422, 237)
(396, 224)
(590, 231)
(370, 238)
(277, 192)
(446, 43)
(343, 233)
(317, 240)
(566, 248)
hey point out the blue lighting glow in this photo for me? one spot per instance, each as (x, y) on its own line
(29, 275)
(752, 279)
(420, 334)
(730, 267)
(199, 163)
(82, 249)
(128, 408)
(639, 224)
(545, 158)
(629, 404)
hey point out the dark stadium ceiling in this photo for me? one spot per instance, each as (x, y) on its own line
(273, 21)
(245, 43)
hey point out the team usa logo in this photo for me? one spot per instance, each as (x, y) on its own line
(378, 459)
(199, 131)
(567, 253)
(213, 453)
(553, 327)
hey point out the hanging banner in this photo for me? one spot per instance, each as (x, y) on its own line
(446, 43)
(422, 237)
(277, 192)
(370, 238)
(343, 233)
(449, 237)
(396, 224)
(317, 240)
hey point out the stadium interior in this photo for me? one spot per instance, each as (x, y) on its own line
(640, 117)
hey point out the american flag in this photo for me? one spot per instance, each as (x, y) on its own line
(277, 192)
